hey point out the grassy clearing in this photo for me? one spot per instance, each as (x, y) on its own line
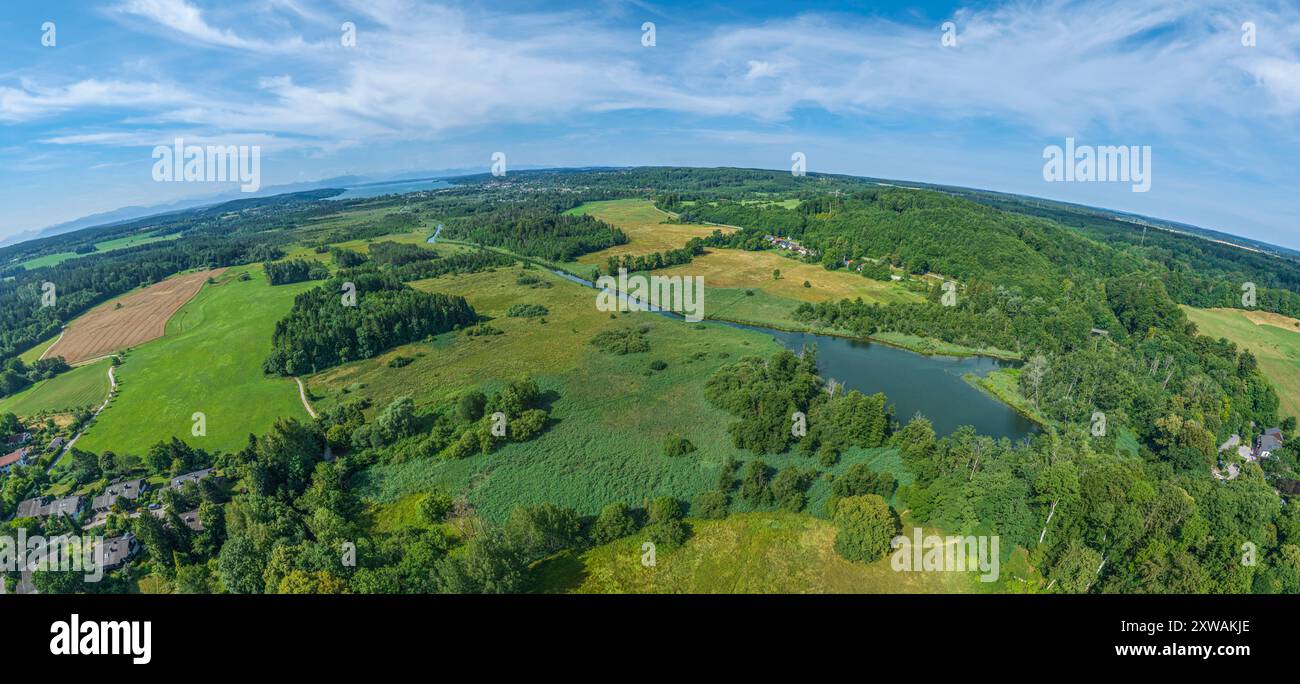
(745, 553)
(740, 269)
(1274, 339)
(81, 387)
(34, 354)
(647, 228)
(210, 361)
(101, 247)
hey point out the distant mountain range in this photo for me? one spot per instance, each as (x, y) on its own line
(135, 212)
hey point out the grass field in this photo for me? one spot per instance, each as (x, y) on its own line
(1274, 339)
(129, 320)
(105, 246)
(729, 273)
(647, 228)
(83, 386)
(745, 553)
(611, 414)
(209, 361)
(36, 352)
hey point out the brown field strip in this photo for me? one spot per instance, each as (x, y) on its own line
(142, 317)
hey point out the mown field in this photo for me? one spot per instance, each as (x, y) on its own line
(744, 553)
(81, 387)
(129, 320)
(209, 361)
(647, 227)
(1274, 339)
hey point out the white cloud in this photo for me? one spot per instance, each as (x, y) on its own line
(186, 20)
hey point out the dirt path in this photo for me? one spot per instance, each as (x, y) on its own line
(112, 388)
(302, 394)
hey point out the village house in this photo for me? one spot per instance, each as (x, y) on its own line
(16, 457)
(39, 507)
(1268, 442)
(196, 476)
(117, 551)
(192, 521)
(18, 439)
(129, 490)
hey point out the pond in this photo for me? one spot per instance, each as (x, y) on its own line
(933, 386)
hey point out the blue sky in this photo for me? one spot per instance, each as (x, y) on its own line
(862, 88)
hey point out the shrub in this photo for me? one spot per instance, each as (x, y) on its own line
(621, 342)
(399, 361)
(614, 522)
(658, 365)
(471, 405)
(436, 506)
(678, 446)
(711, 505)
(526, 311)
(663, 509)
(866, 526)
(527, 425)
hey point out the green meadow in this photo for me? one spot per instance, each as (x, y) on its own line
(745, 553)
(82, 387)
(209, 361)
(105, 246)
(610, 414)
(1274, 339)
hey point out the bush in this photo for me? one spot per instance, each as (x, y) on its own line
(668, 534)
(471, 405)
(807, 284)
(526, 311)
(678, 446)
(711, 505)
(527, 425)
(658, 365)
(613, 523)
(436, 506)
(539, 531)
(399, 361)
(866, 526)
(663, 509)
(621, 342)
(482, 330)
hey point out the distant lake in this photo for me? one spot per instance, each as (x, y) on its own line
(913, 383)
(393, 188)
